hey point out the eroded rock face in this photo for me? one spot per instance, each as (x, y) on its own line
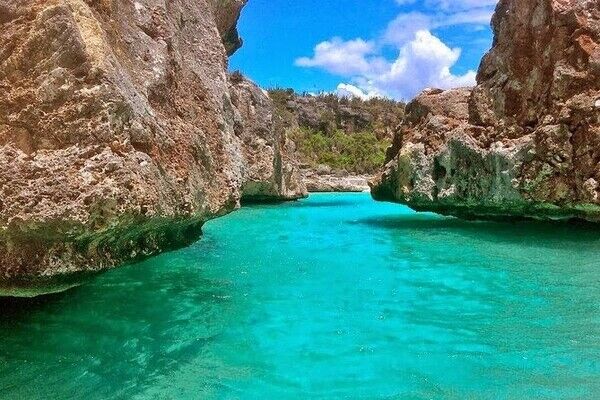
(327, 181)
(227, 14)
(330, 113)
(270, 171)
(118, 133)
(311, 118)
(526, 140)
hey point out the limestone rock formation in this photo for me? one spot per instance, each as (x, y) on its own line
(118, 134)
(324, 180)
(270, 170)
(525, 142)
(341, 141)
(227, 14)
(328, 113)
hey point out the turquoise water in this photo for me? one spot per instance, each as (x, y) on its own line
(334, 297)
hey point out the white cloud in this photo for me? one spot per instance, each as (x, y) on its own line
(423, 60)
(450, 5)
(403, 28)
(340, 57)
(405, 25)
(347, 90)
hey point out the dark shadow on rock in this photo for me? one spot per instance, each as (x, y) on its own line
(14, 309)
(249, 201)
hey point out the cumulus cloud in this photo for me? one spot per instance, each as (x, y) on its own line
(438, 14)
(405, 25)
(424, 62)
(451, 5)
(351, 91)
(340, 57)
(423, 59)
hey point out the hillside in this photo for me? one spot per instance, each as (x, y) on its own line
(336, 136)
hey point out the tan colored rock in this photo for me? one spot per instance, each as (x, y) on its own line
(117, 131)
(227, 14)
(328, 113)
(305, 116)
(328, 183)
(270, 171)
(526, 140)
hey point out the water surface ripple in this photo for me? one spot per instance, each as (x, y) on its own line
(334, 297)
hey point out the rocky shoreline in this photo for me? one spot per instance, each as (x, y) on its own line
(330, 182)
(121, 133)
(340, 142)
(525, 141)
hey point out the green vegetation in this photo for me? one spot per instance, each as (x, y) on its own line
(360, 153)
(348, 134)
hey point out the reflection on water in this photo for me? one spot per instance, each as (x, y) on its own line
(332, 297)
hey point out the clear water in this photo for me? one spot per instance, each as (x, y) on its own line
(335, 297)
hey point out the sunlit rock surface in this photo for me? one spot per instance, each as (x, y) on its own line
(118, 134)
(526, 140)
(270, 171)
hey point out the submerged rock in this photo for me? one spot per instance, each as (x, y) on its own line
(525, 142)
(118, 133)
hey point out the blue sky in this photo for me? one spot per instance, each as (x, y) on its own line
(393, 48)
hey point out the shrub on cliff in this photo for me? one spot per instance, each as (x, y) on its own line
(344, 133)
(360, 153)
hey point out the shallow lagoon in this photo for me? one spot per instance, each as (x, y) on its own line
(334, 297)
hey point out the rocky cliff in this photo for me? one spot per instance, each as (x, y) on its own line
(525, 142)
(329, 113)
(121, 132)
(341, 141)
(227, 14)
(270, 170)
